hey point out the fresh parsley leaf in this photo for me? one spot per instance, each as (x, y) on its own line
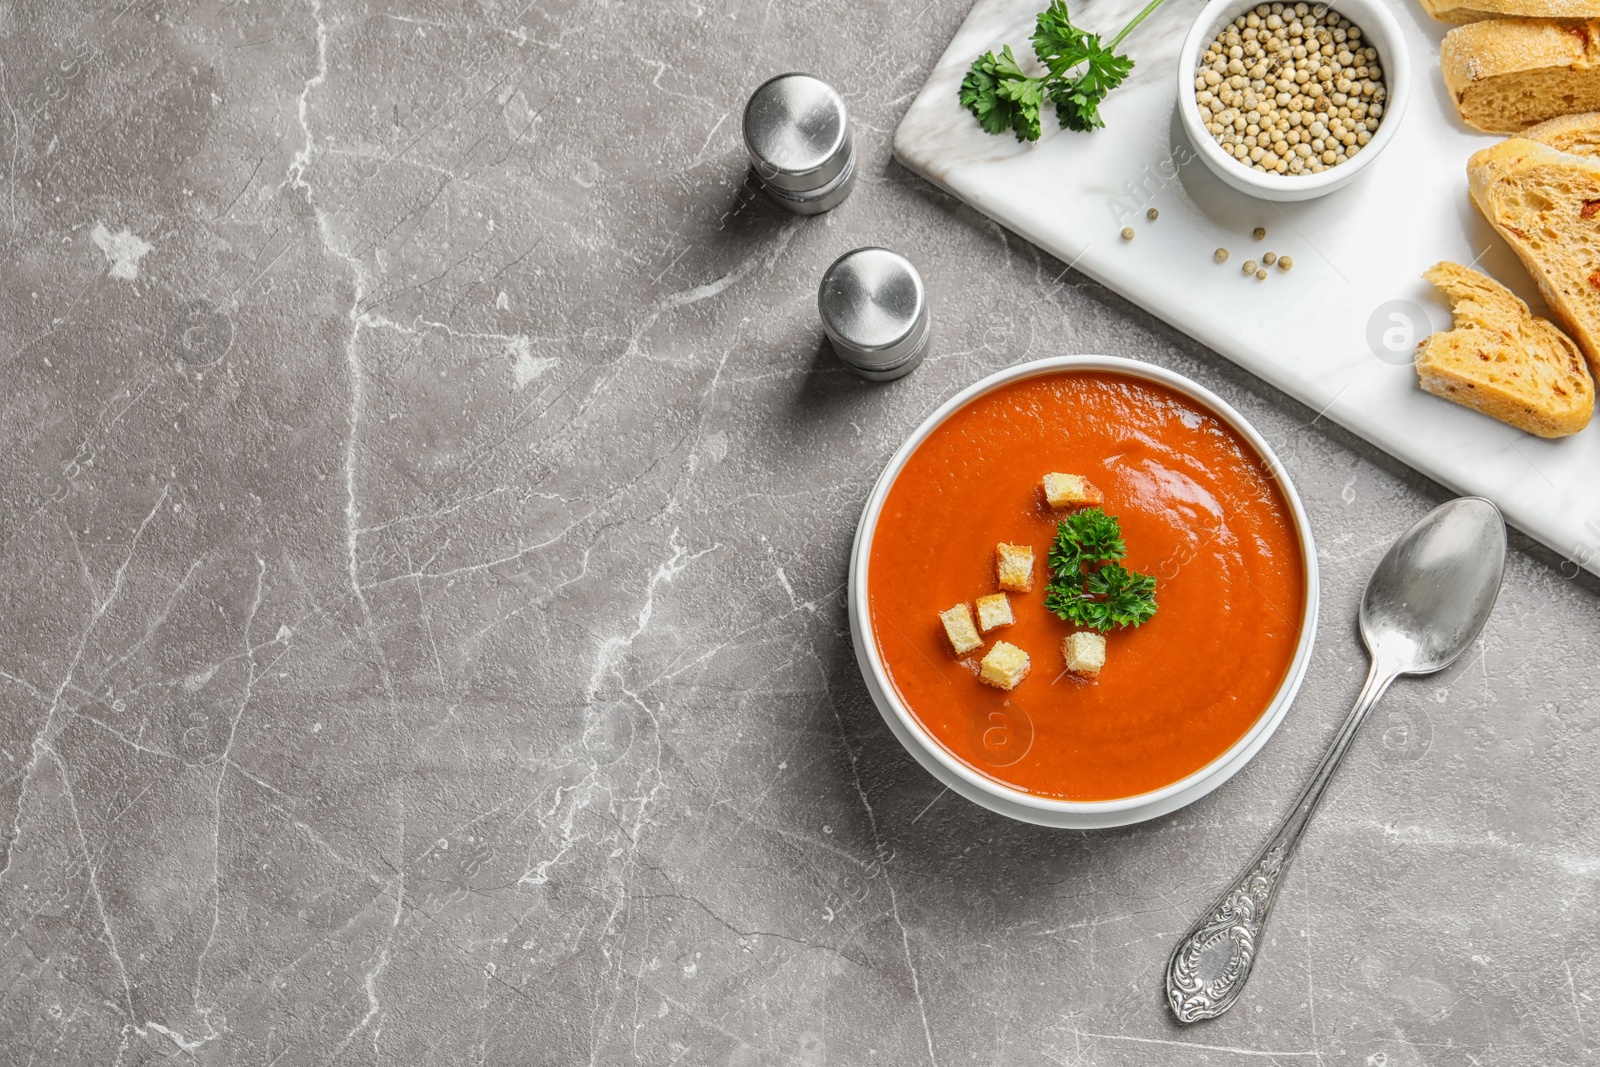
(1001, 96)
(1059, 44)
(1078, 101)
(1088, 586)
(1123, 597)
(1062, 599)
(1086, 536)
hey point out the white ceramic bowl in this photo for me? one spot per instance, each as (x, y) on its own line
(1378, 27)
(1015, 803)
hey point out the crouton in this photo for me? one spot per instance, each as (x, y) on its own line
(1004, 667)
(1085, 653)
(959, 629)
(994, 611)
(1016, 567)
(1070, 490)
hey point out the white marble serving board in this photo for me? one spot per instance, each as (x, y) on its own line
(1355, 251)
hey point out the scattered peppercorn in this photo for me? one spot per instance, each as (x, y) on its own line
(1294, 91)
(1285, 263)
(1127, 233)
(1261, 275)
(1152, 214)
(1269, 259)
(1220, 255)
(1260, 233)
(1249, 266)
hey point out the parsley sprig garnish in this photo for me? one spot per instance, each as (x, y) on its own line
(1089, 586)
(1087, 536)
(1117, 597)
(1079, 72)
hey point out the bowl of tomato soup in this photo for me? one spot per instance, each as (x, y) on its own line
(1184, 700)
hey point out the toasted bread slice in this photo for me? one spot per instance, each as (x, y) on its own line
(1546, 204)
(1477, 10)
(1509, 74)
(1502, 361)
(1578, 134)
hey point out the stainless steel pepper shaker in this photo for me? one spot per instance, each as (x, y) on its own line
(797, 132)
(875, 313)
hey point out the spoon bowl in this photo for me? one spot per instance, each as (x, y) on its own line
(1434, 589)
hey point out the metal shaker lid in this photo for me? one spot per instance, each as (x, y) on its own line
(874, 310)
(797, 131)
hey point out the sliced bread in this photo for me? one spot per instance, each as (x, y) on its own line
(1509, 74)
(1500, 360)
(1578, 134)
(1476, 10)
(1546, 204)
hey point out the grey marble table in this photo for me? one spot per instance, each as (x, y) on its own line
(423, 515)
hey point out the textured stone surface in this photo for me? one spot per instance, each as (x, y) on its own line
(423, 522)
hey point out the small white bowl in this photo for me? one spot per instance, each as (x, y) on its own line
(1378, 28)
(1001, 798)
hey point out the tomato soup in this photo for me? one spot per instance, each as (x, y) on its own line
(1199, 511)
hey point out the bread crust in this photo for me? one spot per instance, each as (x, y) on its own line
(1509, 74)
(1578, 134)
(1502, 361)
(1478, 10)
(1568, 276)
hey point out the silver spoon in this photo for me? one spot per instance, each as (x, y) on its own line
(1424, 605)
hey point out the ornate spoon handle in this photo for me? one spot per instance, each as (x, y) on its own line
(1211, 964)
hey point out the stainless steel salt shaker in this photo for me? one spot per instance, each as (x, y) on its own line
(797, 132)
(875, 312)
